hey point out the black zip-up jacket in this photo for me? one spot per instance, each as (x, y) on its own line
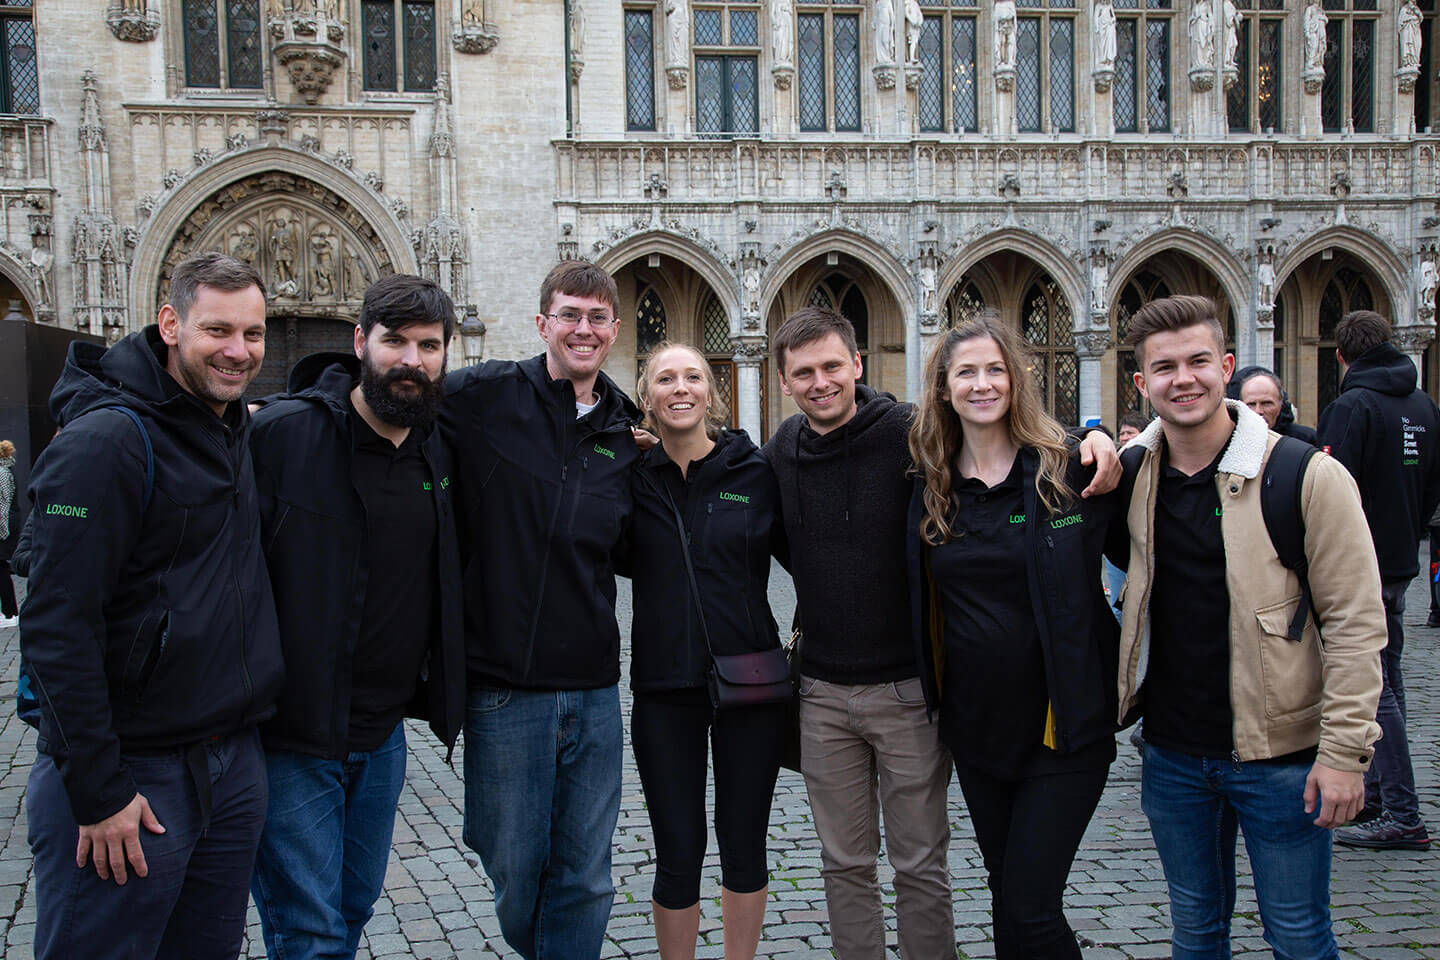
(545, 498)
(1079, 638)
(143, 628)
(1384, 429)
(731, 509)
(313, 525)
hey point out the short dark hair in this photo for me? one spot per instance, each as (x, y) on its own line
(1359, 332)
(1173, 313)
(1134, 419)
(214, 270)
(807, 325)
(576, 278)
(403, 299)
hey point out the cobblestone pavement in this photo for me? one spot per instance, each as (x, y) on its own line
(437, 902)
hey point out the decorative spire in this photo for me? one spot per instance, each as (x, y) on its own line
(92, 127)
(442, 141)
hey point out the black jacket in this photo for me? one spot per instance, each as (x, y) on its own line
(845, 495)
(1285, 423)
(731, 509)
(1384, 429)
(143, 628)
(314, 529)
(545, 499)
(1079, 638)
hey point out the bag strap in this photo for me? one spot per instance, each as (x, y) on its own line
(1280, 505)
(149, 449)
(689, 567)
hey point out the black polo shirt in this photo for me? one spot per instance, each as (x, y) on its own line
(400, 593)
(1187, 686)
(994, 696)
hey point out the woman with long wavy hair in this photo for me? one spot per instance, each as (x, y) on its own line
(1011, 622)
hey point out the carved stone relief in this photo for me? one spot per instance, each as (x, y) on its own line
(132, 20)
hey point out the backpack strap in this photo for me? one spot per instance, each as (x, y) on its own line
(1284, 521)
(149, 449)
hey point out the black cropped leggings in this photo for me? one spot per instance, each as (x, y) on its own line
(669, 731)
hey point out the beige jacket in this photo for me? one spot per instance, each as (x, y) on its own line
(1285, 696)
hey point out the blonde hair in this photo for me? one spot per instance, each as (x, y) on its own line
(717, 411)
(937, 435)
(7, 449)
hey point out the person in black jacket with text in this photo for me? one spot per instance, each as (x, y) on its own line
(355, 496)
(1017, 642)
(149, 634)
(544, 453)
(729, 509)
(1383, 427)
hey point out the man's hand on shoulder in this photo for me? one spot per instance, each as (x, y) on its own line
(644, 439)
(1341, 795)
(116, 839)
(1099, 449)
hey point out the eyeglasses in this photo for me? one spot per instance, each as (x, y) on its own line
(599, 320)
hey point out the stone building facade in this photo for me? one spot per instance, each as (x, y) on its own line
(907, 161)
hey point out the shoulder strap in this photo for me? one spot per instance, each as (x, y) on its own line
(1284, 522)
(689, 567)
(149, 450)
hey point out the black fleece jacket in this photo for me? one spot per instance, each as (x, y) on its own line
(844, 495)
(143, 628)
(314, 531)
(544, 499)
(730, 505)
(1384, 429)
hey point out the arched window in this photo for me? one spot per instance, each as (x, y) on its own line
(715, 343)
(964, 302)
(1346, 291)
(649, 321)
(1048, 329)
(222, 44)
(1139, 290)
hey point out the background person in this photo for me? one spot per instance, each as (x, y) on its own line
(1021, 660)
(726, 495)
(1261, 390)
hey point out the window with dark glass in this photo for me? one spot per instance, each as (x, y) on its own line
(727, 40)
(398, 40)
(1347, 290)
(222, 44)
(1045, 67)
(828, 66)
(1139, 290)
(640, 69)
(1048, 328)
(715, 344)
(1141, 91)
(840, 291)
(1347, 94)
(947, 93)
(1425, 83)
(19, 77)
(1253, 100)
(964, 302)
(649, 321)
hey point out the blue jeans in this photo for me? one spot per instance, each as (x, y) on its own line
(1195, 806)
(322, 859)
(192, 904)
(542, 794)
(1390, 781)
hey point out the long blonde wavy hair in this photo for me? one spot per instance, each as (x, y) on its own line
(936, 435)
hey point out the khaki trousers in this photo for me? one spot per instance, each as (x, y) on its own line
(867, 749)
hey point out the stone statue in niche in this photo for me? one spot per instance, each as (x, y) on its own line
(752, 292)
(1265, 273)
(782, 32)
(1202, 34)
(243, 246)
(1104, 20)
(473, 13)
(1315, 22)
(1409, 22)
(578, 28)
(41, 262)
(928, 280)
(1005, 26)
(275, 8)
(1232, 37)
(282, 250)
(1429, 281)
(914, 20)
(357, 275)
(677, 32)
(133, 6)
(884, 31)
(322, 274)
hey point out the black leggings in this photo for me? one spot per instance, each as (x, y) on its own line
(668, 732)
(1028, 830)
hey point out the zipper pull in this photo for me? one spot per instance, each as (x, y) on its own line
(1049, 541)
(1235, 759)
(564, 471)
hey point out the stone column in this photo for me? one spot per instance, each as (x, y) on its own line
(1090, 348)
(749, 354)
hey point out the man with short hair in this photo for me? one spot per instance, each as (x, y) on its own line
(355, 496)
(1383, 428)
(1130, 426)
(544, 454)
(867, 743)
(149, 634)
(1244, 727)
(1261, 391)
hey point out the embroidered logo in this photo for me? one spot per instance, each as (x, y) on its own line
(725, 495)
(603, 452)
(68, 510)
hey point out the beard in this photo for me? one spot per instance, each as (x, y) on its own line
(417, 409)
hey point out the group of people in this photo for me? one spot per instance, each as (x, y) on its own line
(232, 606)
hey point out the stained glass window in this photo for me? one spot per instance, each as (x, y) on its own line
(639, 70)
(964, 303)
(649, 321)
(419, 45)
(202, 43)
(19, 76)
(398, 44)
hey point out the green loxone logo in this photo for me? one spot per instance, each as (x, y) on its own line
(603, 452)
(738, 498)
(68, 510)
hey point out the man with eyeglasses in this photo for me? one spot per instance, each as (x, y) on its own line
(544, 451)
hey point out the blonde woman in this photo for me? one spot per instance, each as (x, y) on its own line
(1011, 623)
(711, 487)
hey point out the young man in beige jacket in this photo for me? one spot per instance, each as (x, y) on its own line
(1244, 728)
